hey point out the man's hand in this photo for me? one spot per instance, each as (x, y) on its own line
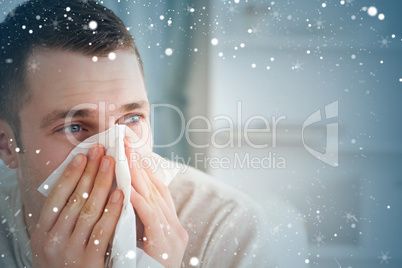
(164, 239)
(77, 221)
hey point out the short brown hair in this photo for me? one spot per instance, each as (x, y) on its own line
(53, 24)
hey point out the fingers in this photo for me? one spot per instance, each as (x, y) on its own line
(94, 206)
(61, 192)
(157, 202)
(104, 228)
(139, 185)
(154, 222)
(76, 226)
(150, 186)
(151, 207)
(143, 209)
(140, 181)
(154, 205)
(162, 188)
(69, 215)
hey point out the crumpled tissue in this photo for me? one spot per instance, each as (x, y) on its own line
(124, 251)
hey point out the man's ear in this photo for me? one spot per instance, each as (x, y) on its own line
(7, 145)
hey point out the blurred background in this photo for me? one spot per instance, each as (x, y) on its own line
(269, 66)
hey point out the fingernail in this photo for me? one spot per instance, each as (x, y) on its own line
(78, 160)
(115, 196)
(105, 164)
(93, 153)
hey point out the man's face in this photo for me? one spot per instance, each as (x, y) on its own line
(103, 90)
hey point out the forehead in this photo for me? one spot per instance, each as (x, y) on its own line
(63, 79)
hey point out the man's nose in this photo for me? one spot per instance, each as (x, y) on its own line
(107, 117)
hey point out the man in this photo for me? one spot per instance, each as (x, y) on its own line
(57, 55)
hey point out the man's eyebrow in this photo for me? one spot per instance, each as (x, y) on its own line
(133, 106)
(55, 116)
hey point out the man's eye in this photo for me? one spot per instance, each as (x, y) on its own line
(131, 119)
(71, 129)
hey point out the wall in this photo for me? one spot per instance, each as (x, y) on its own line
(292, 58)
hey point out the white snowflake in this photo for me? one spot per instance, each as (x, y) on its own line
(297, 66)
(384, 257)
(55, 24)
(350, 217)
(55, 239)
(319, 239)
(33, 66)
(319, 217)
(11, 230)
(190, 9)
(254, 30)
(150, 28)
(255, 246)
(231, 9)
(384, 41)
(350, 2)
(190, 226)
(275, 230)
(319, 23)
(276, 14)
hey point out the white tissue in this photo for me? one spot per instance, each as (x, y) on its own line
(124, 251)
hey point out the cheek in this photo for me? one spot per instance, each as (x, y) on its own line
(147, 138)
(47, 157)
(145, 134)
(43, 153)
